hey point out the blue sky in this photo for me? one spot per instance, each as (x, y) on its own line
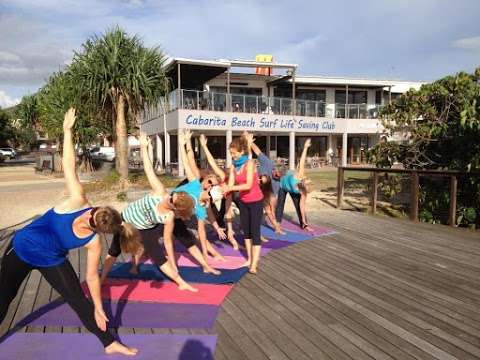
(409, 39)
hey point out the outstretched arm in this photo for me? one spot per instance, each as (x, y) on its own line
(301, 166)
(155, 183)
(188, 170)
(74, 187)
(190, 153)
(94, 250)
(211, 160)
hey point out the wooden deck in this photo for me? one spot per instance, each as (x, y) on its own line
(377, 289)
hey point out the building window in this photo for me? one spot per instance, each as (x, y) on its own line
(311, 94)
(354, 96)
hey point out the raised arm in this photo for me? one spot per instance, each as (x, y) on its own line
(188, 170)
(211, 160)
(191, 153)
(300, 174)
(251, 141)
(74, 187)
(155, 183)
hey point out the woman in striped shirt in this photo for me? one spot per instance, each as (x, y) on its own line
(155, 215)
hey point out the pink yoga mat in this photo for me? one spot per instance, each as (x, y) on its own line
(162, 292)
(232, 262)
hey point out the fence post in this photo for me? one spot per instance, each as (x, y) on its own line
(452, 215)
(414, 196)
(340, 187)
(374, 192)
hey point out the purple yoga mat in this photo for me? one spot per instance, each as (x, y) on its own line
(132, 314)
(224, 249)
(51, 346)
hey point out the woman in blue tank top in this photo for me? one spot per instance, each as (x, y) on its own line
(44, 245)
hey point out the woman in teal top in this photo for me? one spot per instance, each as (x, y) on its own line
(44, 245)
(297, 185)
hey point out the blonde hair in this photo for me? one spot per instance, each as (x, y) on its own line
(130, 241)
(183, 205)
(306, 185)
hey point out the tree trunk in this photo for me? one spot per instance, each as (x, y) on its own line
(122, 141)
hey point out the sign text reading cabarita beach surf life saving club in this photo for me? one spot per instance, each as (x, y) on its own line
(284, 123)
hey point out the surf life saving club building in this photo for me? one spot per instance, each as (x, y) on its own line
(223, 98)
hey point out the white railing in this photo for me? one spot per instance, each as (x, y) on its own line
(212, 101)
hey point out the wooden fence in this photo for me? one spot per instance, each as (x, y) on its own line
(414, 194)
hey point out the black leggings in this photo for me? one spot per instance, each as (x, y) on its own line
(251, 216)
(61, 277)
(282, 195)
(150, 241)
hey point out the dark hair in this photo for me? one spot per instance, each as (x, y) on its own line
(266, 187)
(239, 144)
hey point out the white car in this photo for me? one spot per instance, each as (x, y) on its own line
(106, 153)
(8, 152)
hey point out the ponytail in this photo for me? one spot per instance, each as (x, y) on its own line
(129, 239)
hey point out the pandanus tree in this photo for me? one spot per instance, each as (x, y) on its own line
(54, 99)
(116, 74)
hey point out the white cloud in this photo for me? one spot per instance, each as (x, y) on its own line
(6, 101)
(469, 43)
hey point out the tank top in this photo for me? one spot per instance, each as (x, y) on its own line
(289, 183)
(255, 193)
(143, 213)
(46, 241)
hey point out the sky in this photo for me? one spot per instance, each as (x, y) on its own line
(387, 39)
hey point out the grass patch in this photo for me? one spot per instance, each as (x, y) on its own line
(136, 179)
(327, 179)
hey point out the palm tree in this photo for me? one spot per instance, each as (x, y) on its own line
(116, 73)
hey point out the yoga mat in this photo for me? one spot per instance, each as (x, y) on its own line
(271, 244)
(289, 236)
(162, 292)
(130, 314)
(316, 230)
(232, 262)
(223, 248)
(189, 274)
(67, 346)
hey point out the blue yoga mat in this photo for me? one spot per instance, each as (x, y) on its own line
(289, 236)
(189, 274)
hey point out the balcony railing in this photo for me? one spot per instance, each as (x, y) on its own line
(212, 101)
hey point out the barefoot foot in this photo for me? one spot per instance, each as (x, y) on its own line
(186, 286)
(134, 270)
(210, 270)
(252, 270)
(263, 238)
(117, 348)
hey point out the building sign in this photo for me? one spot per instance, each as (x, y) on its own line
(264, 70)
(258, 122)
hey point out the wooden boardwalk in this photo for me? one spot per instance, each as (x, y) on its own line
(377, 289)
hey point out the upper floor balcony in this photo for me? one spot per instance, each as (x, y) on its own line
(213, 101)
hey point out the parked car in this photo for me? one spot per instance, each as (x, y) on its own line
(106, 153)
(8, 152)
